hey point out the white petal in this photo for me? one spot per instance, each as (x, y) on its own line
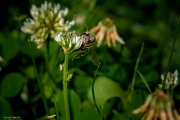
(162, 77)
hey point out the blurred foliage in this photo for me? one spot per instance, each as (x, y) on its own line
(150, 21)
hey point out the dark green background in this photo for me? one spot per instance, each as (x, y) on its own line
(150, 21)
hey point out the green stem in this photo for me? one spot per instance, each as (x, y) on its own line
(93, 94)
(65, 73)
(136, 66)
(56, 109)
(93, 90)
(177, 29)
(40, 86)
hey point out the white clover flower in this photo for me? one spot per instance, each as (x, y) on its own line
(69, 41)
(175, 76)
(171, 80)
(45, 22)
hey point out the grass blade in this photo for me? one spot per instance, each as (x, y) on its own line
(136, 66)
(144, 80)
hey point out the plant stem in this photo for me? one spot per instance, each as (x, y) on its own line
(56, 109)
(93, 94)
(40, 87)
(170, 57)
(65, 73)
(136, 66)
(39, 83)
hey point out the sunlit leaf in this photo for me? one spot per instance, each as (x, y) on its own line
(89, 114)
(104, 89)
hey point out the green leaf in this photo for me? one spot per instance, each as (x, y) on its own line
(69, 77)
(138, 99)
(5, 108)
(144, 80)
(105, 89)
(74, 103)
(89, 114)
(86, 104)
(11, 85)
(48, 91)
(33, 51)
(136, 66)
(29, 71)
(9, 48)
(120, 116)
(82, 84)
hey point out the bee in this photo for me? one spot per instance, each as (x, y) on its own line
(88, 41)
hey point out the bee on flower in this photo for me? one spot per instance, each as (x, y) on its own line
(158, 106)
(106, 29)
(68, 41)
(45, 22)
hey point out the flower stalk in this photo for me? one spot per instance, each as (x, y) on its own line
(172, 48)
(65, 73)
(69, 42)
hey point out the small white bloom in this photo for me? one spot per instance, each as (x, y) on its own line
(56, 8)
(175, 75)
(65, 11)
(48, 17)
(171, 80)
(69, 41)
(162, 77)
(61, 22)
(160, 85)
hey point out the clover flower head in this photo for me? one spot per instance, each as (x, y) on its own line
(68, 41)
(171, 80)
(107, 29)
(158, 105)
(46, 20)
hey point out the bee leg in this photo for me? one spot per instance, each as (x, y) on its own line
(81, 54)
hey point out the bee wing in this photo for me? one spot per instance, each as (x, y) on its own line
(94, 56)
